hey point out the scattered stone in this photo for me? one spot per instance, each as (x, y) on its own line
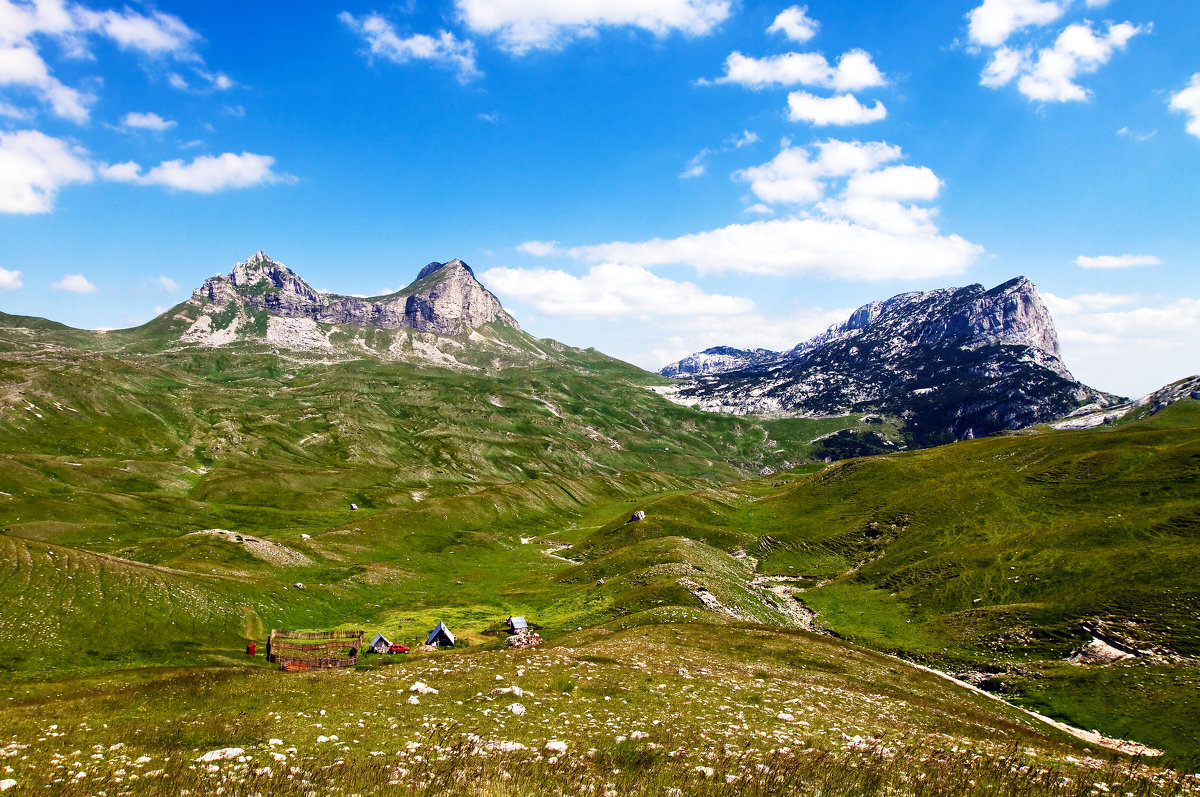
(223, 754)
(636, 516)
(7, 784)
(555, 746)
(421, 688)
(516, 708)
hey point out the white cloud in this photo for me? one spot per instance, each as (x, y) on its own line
(609, 290)
(795, 23)
(1117, 261)
(167, 284)
(747, 138)
(854, 71)
(539, 248)
(21, 65)
(761, 208)
(157, 34)
(856, 226)
(895, 183)
(842, 110)
(812, 246)
(696, 167)
(205, 174)
(10, 280)
(1187, 102)
(444, 50)
(995, 20)
(146, 121)
(1139, 137)
(1132, 351)
(1045, 74)
(33, 166)
(798, 175)
(1079, 50)
(522, 25)
(74, 283)
(688, 335)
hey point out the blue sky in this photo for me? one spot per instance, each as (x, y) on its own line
(648, 177)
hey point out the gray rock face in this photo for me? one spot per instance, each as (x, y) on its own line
(952, 362)
(446, 299)
(717, 360)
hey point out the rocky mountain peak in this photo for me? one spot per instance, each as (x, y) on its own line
(952, 361)
(448, 305)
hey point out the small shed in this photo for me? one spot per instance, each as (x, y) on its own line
(516, 624)
(440, 637)
(380, 644)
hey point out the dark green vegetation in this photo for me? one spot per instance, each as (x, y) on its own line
(162, 505)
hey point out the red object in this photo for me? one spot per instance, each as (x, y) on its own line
(399, 648)
(250, 649)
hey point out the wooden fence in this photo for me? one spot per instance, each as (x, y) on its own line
(297, 655)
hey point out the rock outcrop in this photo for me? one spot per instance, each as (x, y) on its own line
(445, 299)
(952, 363)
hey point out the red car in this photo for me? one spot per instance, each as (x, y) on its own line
(399, 649)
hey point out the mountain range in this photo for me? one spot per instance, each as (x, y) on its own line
(953, 363)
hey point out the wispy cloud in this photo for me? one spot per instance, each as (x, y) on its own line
(1117, 261)
(146, 121)
(204, 174)
(444, 49)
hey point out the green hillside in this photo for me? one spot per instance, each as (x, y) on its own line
(163, 504)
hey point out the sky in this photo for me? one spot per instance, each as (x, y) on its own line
(646, 177)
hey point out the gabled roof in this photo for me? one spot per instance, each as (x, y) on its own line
(517, 622)
(440, 627)
(379, 637)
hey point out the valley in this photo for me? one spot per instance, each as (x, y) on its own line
(171, 493)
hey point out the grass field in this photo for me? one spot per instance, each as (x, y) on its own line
(161, 507)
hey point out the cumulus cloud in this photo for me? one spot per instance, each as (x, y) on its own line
(609, 290)
(1187, 102)
(524, 25)
(1079, 50)
(795, 24)
(842, 110)
(1131, 350)
(205, 174)
(146, 121)
(1043, 74)
(994, 21)
(1117, 261)
(853, 217)
(10, 280)
(74, 283)
(444, 50)
(854, 71)
(801, 175)
(34, 166)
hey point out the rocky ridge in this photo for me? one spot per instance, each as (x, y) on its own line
(445, 299)
(952, 363)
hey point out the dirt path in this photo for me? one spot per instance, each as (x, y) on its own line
(1120, 745)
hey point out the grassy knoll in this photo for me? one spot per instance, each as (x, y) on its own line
(996, 558)
(642, 711)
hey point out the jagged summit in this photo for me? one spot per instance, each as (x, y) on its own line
(452, 304)
(952, 362)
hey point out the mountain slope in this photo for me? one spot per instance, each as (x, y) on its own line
(953, 363)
